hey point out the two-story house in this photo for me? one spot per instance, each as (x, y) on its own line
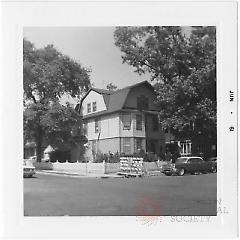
(125, 120)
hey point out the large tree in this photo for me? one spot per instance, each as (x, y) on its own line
(48, 76)
(182, 65)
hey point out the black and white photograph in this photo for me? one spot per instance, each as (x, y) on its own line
(119, 119)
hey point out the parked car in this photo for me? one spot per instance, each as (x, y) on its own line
(28, 169)
(33, 158)
(189, 165)
(214, 159)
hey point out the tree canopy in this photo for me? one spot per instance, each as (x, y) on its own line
(183, 69)
(48, 75)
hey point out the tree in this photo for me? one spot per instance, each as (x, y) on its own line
(47, 76)
(111, 87)
(183, 69)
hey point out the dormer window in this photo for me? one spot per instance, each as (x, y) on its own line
(88, 107)
(94, 106)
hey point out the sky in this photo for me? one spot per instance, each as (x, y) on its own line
(93, 47)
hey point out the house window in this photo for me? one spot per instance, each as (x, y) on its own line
(138, 122)
(127, 145)
(94, 106)
(88, 107)
(142, 103)
(186, 148)
(138, 144)
(97, 126)
(126, 120)
(155, 125)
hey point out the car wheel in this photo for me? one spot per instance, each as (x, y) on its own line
(181, 172)
(168, 174)
(214, 169)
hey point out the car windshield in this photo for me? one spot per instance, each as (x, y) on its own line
(181, 160)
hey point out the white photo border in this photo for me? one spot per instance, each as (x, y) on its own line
(17, 15)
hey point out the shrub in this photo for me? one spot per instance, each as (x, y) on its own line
(150, 157)
(114, 158)
(100, 157)
(110, 157)
(147, 156)
(60, 156)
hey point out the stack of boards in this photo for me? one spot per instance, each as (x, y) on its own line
(131, 166)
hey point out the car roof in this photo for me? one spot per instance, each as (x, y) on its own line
(191, 157)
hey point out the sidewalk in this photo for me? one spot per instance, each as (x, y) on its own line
(75, 174)
(93, 175)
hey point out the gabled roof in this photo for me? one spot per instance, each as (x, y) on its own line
(114, 100)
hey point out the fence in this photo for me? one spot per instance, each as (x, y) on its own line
(96, 168)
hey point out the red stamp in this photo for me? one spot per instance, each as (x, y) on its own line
(148, 211)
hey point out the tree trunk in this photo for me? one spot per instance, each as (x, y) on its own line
(39, 145)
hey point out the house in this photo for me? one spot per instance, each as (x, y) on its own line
(173, 144)
(124, 121)
(60, 153)
(201, 144)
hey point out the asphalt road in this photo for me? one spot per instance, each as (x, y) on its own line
(49, 195)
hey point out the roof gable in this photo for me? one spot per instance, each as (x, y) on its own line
(87, 103)
(115, 100)
(141, 92)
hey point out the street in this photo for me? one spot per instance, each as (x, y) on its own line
(50, 195)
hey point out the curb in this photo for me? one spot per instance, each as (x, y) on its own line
(72, 174)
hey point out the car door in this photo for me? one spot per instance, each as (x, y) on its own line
(199, 165)
(195, 164)
(191, 165)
